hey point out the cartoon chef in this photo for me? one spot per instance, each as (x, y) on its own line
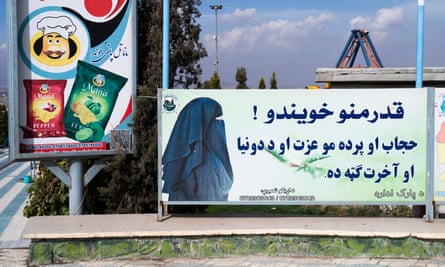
(56, 45)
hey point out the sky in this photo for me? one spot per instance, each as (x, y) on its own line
(295, 37)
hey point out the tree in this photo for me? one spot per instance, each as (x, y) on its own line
(47, 195)
(241, 78)
(185, 48)
(205, 85)
(273, 81)
(129, 182)
(262, 84)
(3, 125)
(215, 81)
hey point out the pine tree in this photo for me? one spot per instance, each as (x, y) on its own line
(262, 84)
(129, 182)
(185, 48)
(273, 81)
(215, 81)
(241, 78)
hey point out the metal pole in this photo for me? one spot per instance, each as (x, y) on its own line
(76, 189)
(13, 108)
(429, 208)
(216, 40)
(166, 44)
(216, 8)
(420, 38)
(165, 82)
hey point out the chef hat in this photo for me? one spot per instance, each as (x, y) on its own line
(61, 25)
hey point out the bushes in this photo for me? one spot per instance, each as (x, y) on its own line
(47, 195)
(314, 210)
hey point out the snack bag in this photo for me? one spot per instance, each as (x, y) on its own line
(44, 108)
(91, 102)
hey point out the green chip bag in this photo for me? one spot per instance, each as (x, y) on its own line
(91, 102)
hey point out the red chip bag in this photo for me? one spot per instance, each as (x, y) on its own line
(44, 108)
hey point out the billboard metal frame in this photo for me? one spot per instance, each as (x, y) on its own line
(98, 58)
(15, 99)
(429, 158)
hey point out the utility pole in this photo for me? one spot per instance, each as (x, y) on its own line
(216, 8)
(420, 41)
(165, 43)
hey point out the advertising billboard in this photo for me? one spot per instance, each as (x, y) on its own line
(74, 87)
(439, 145)
(293, 146)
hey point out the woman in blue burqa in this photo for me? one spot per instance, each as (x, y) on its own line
(196, 164)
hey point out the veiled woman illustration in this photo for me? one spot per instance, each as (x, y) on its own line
(196, 163)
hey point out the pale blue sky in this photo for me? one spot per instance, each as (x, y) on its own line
(294, 37)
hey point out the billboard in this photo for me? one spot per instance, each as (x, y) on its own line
(293, 146)
(73, 86)
(439, 145)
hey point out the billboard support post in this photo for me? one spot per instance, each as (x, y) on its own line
(76, 188)
(165, 43)
(57, 171)
(76, 179)
(11, 12)
(429, 209)
(165, 81)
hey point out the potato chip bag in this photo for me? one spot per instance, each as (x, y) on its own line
(91, 102)
(44, 108)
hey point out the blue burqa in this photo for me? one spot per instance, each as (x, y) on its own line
(196, 164)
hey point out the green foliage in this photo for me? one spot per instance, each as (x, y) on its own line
(361, 211)
(263, 210)
(185, 48)
(47, 195)
(313, 210)
(273, 81)
(241, 78)
(205, 85)
(262, 84)
(3, 125)
(397, 210)
(215, 82)
(128, 183)
(149, 28)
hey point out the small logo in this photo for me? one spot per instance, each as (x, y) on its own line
(170, 103)
(44, 88)
(99, 80)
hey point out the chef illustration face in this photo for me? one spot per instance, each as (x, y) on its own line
(55, 43)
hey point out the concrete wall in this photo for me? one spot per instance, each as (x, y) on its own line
(379, 77)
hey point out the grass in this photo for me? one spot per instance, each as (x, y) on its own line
(312, 210)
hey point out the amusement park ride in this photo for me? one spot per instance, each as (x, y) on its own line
(359, 39)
